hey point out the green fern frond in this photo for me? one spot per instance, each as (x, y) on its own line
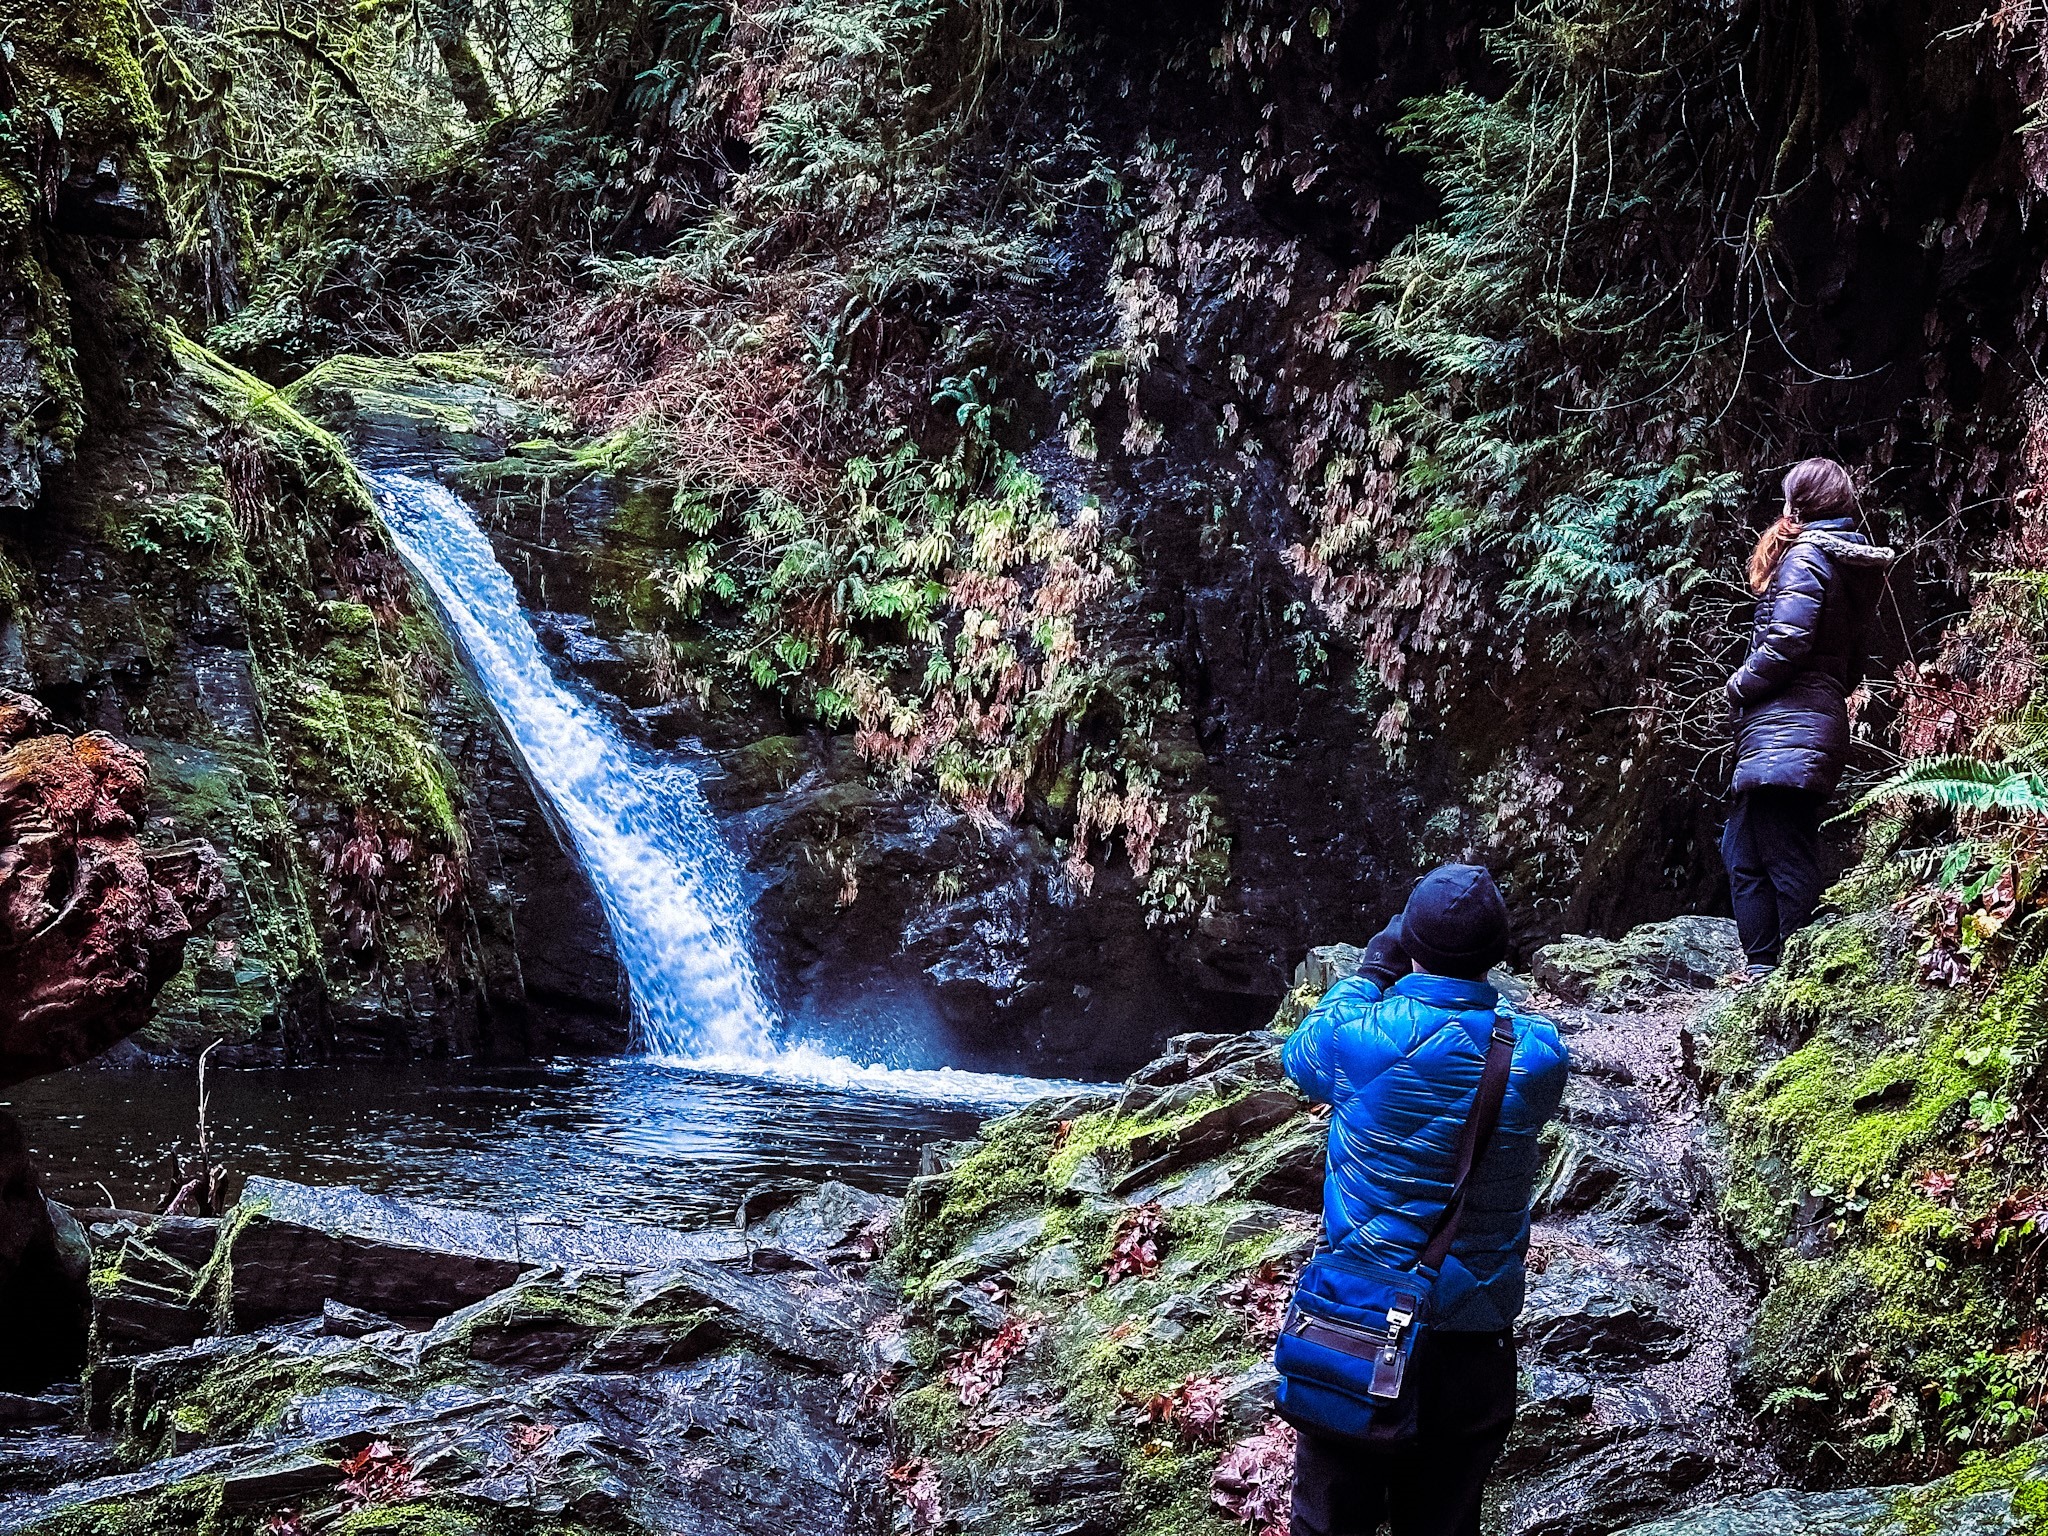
(1960, 783)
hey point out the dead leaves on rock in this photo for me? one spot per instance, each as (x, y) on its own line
(378, 1474)
(1961, 926)
(1191, 1409)
(976, 1373)
(1134, 1250)
(2013, 1217)
(916, 1484)
(1254, 1482)
(1262, 1297)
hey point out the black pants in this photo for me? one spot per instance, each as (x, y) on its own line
(1467, 1407)
(1772, 850)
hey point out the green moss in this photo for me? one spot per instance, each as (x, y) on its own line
(1933, 1510)
(254, 400)
(454, 1517)
(427, 1519)
(1169, 1484)
(1107, 1136)
(189, 1508)
(214, 1285)
(354, 620)
(1005, 1171)
(361, 749)
(592, 1304)
(928, 1416)
(239, 971)
(243, 1397)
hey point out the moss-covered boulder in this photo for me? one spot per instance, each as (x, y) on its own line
(1881, 1173)
(675, 1381)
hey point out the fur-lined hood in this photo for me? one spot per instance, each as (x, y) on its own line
(1849, 549)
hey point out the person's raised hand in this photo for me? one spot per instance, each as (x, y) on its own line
(1385, 962)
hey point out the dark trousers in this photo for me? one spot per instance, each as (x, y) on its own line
(1466, 1408)
(1772, 850)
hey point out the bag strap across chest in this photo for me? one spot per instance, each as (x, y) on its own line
(1480, 1123)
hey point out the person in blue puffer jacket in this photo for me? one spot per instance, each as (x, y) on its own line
(1397, 1052)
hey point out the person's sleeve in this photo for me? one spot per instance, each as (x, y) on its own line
(1309, 1057)
(1542, 1067)
(1787, 641)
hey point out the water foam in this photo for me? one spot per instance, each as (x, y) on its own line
(669, 883)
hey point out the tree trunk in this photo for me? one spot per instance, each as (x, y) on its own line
(448, 24)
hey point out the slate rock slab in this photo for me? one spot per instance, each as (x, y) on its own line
(605, 1320)
(1582, 1320)
(147, 1271)
(1630, 1478)
(1154, 1154)
(829, 1223)
(296, 1247)
(1286, 1167)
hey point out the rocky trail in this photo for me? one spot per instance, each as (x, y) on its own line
(1062, 1330)
(1637, 1302)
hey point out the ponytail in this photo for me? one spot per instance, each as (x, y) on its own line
(1770, 549)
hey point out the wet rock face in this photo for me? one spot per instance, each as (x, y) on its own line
(44, 1307)
(98, 200)
(1995, 1496)
(92, 924)
(881, 912)
(553, 972)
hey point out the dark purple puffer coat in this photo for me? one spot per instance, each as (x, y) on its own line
(1806, 656)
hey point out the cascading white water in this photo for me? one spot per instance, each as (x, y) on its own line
(669, 883)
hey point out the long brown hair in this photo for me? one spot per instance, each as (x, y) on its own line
(1814, 488)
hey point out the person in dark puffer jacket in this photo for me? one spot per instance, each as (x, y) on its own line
(1397, 1051)
(1817, 582)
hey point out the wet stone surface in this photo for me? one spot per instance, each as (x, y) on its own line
(619, 1378)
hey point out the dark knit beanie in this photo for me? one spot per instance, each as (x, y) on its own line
(1455, 923)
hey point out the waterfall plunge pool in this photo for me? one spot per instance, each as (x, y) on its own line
(724, 1100)
(623, 1138)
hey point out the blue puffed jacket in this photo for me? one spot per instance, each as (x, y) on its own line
(1400, 1069)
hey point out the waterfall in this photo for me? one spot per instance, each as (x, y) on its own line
(637, 821)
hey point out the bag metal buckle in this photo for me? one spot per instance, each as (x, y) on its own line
(1390, 1364)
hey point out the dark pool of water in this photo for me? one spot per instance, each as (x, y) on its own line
(621, 1138)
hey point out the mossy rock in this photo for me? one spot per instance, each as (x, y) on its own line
(1855, 1099)
(1649, 961)
(595, 1320)
(754, 774)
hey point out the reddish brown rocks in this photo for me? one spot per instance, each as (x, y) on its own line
(92, 924)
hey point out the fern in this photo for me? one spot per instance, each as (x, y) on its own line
(1970, 784)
